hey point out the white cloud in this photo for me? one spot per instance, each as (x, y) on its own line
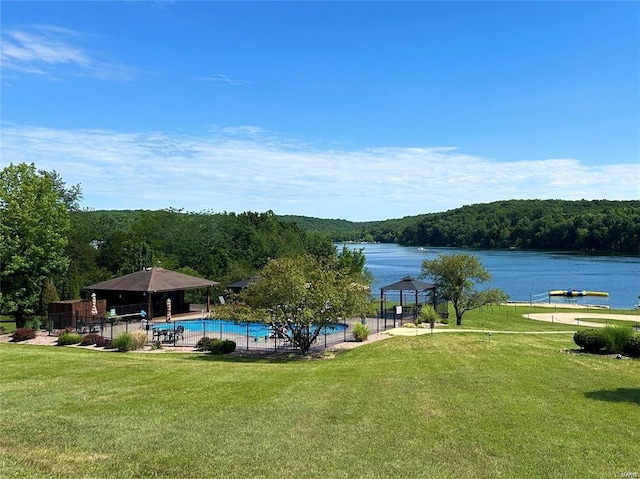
(222, 79)
(220, 171)
(49, 51)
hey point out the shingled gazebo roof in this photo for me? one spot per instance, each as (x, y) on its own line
(151, 280)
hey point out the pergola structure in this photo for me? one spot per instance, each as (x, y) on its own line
(408, 284)
(152, 287)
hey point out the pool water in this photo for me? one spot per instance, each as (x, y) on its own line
(219, 327)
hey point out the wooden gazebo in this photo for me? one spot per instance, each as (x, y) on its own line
(408, 284)
(152, 287)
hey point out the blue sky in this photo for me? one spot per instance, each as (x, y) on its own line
(354, 110)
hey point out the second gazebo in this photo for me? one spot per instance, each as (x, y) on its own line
(408, 284)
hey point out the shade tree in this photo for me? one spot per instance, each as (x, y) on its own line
(456, 277)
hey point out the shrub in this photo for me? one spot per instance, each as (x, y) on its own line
(427, 315)
(444, 320)
(139, 339)
(360, 332)
(32, 323)
(105, 343)
(156, 345)
(409, 325)
(632, 348)
(90, 339)
(123, 342)
(22, 334)
(616, 337)
(66, 339)
(590, 340)
(222, 346)
(203, 344)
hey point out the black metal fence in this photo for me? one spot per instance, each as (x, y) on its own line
(187, 333)
(117, 315)
(247, 336)
(408, 313)
(250, 336)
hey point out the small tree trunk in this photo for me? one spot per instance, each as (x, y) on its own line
(21, 319)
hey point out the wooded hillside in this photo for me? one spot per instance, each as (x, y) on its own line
(599, 225)
(224, 247)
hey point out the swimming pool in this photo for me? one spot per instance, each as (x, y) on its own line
(208, 327)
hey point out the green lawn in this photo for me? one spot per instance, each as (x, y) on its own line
(445, 406)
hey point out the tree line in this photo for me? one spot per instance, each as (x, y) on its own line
(224, 247)
(598, 225)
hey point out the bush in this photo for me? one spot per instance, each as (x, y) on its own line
(360, 332)
(139, 339)
(105, 343)
(66, 339)
(22, 334)
(427, 315)
(632, 348)
(444, 320)
(90, 339)
(203, 344)
(409, 325)
(222, 346)
(123, 342)
(130, 341)
(616, 337)
(590, 340)
(32, 323)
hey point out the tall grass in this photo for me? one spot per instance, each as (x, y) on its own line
(130, 341)
(616, 337)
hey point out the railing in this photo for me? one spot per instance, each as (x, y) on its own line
(246, 336)
(184, 334)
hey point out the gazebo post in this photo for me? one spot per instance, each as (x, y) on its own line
(149, 306)
(208, 299)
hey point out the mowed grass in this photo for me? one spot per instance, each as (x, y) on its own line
(445, 405)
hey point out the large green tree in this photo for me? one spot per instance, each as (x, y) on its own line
(456, 277)
(300, 296)
(33, 235)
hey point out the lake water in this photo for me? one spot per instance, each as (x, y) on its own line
(521, 274)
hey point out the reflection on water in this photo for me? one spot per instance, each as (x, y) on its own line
(521, 274)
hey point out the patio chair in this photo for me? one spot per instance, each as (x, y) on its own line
(179, 332)
(159, 334)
